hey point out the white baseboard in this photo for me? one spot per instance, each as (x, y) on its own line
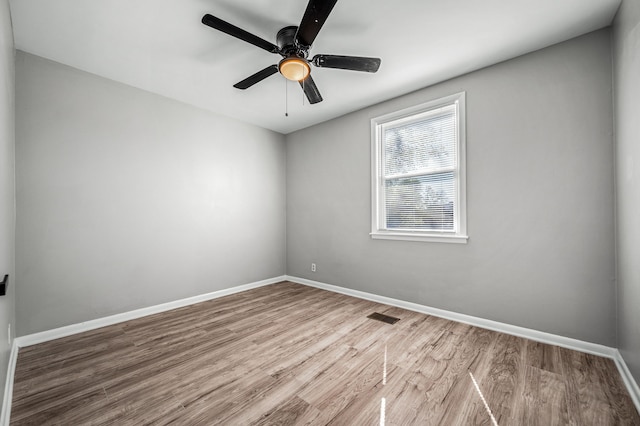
(56, 333)
(8, 385)
(629, 381)
(538, 336)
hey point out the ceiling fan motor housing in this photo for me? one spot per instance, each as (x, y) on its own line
(286, 40)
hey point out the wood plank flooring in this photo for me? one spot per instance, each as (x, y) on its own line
(290, 354)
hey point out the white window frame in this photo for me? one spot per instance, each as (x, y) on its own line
(378, 210)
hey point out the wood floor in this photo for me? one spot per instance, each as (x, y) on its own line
(291, 354)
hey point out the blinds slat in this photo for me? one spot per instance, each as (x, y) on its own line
(421, 145)
(421, 202)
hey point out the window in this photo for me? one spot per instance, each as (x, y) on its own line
(418, 173)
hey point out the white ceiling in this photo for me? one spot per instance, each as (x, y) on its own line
(161, 46)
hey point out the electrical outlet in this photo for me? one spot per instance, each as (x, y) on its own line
(313, 267)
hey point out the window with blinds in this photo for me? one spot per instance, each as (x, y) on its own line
(418, 173)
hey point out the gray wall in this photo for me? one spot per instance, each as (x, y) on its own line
(126, 199)
(627, 125)
(7, 196)
(540, 199)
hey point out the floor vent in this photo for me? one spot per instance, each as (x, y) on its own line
(383, 318)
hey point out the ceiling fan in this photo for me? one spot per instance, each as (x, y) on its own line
(293, 44)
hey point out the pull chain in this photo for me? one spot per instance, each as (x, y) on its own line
(286, 98)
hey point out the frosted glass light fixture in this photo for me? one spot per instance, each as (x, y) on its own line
(294, 68)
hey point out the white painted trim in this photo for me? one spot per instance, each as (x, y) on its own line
(56, 333)
(431, 238)
(8, 385)
(538, 336)
(627, 378)
(412, 114)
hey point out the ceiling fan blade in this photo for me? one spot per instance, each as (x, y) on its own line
(311, 90)
(313, 20)
(257, 77)
(236, 32)
(353, 63)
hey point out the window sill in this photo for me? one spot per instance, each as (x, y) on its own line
(431, 238)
